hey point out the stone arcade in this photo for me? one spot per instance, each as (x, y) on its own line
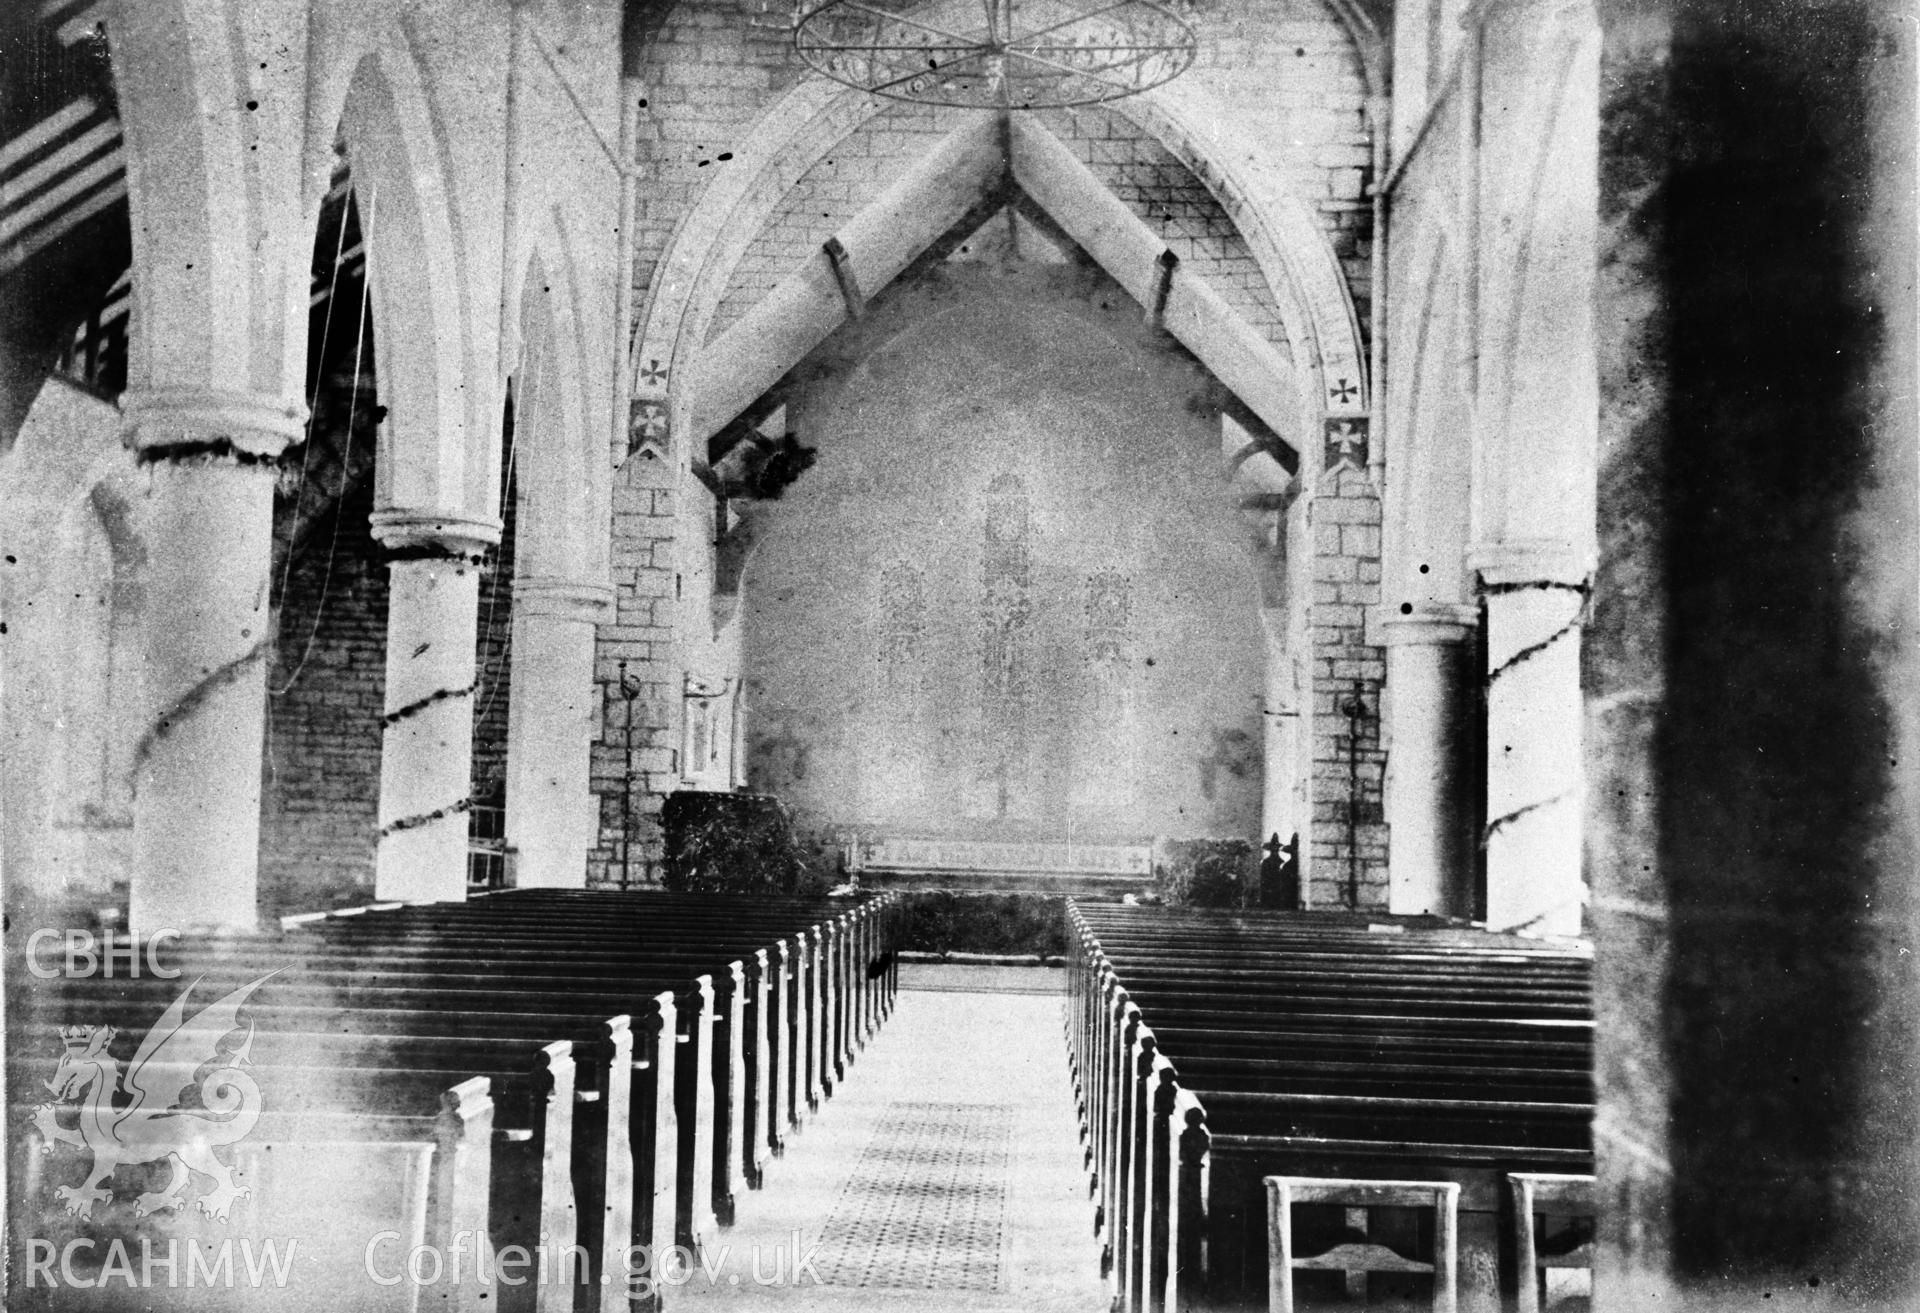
(1472, 443)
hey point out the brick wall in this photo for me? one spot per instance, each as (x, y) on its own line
(494, 662)
(710, 71)
(1166, 195)
(1289, 70)
(326, 689)
(327, 683)
(856, 171)
(1347, 674)
(630, 786)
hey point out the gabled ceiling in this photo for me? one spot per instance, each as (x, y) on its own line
(965, 180)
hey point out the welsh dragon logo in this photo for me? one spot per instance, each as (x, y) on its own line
(150, 1125)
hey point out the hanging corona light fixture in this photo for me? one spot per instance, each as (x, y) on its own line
(996, 54)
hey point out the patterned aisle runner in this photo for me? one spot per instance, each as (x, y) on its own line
(943, 1176)
(926, 1206)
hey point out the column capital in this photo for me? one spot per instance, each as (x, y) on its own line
(174, 423)
(449, 535)
(583, 600)
(1531, 561)
(1430, 624)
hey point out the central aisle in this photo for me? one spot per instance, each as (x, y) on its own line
(946, 1174)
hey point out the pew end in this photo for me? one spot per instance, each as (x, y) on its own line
(1539, 1198)
(1363, 1256)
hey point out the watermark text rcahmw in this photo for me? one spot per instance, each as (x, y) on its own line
(201, 1265)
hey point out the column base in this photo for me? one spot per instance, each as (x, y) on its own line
(1429, 806)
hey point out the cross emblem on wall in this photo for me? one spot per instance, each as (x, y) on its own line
(653, 375)
(648, 427)
(1343, 392)
(1346, 445)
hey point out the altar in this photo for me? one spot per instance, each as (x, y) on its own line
(1009, 866)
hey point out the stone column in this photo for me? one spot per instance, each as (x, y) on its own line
(426, 753)
(1753, 660)
(1429, 770)
(551, 818)
(1534, 594)
(1280, 811)
(209, 458)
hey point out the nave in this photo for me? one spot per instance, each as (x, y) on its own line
(1464, 450)
(647, 1099)
(948, 1177)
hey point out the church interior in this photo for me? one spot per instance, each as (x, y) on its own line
(1176, 625)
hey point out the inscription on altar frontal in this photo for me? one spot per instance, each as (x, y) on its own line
(990, 856)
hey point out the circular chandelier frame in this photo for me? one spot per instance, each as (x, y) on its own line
(1014, 54)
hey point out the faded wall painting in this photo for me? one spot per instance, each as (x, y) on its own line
(1010, 599)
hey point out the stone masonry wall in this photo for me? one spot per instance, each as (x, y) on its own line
(325, 702)
(717, 66)
(632, 773)
(1347, 673)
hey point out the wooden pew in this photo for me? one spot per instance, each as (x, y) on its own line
(673, 1155)
(459, 1003)
(1237, 1130)
(1457, 1053)
(438, 1149)
(387, 983)
(1361, 1136)
(738, 996)
(567, 1164)
(1549, 1195)
(1283, 1192)
(828, 1019)
(730, 1162)
(824, 1039)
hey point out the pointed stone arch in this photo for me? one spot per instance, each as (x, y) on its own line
(563, 492)
(1422, 412)
(807, 123)
(212, 108)
(426, 143)
(560, 588)
(70, 506)
(421, 318)
(967, 171)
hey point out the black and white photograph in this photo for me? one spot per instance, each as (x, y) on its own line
(989, 656)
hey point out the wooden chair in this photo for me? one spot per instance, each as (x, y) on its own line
(1443, 1197)
(1551, 1195)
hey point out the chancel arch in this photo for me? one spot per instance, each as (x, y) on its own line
(691, 278)
(1292, 353)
